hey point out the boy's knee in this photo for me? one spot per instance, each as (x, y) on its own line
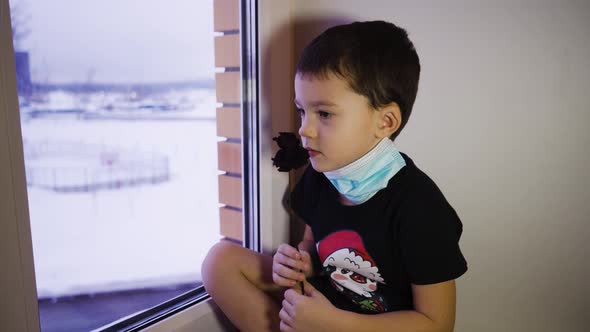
(226, 260)
(218, 256)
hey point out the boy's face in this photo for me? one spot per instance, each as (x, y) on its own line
(337, 124)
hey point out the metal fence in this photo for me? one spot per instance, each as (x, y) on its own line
(82, 167)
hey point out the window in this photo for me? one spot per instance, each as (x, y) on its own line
(268, 64)
(120, 137)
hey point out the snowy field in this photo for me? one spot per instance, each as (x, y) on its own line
(149, 235)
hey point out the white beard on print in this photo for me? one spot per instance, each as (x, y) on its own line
(352, 272)
(354, 282)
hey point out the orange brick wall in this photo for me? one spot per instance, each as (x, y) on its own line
(228, 91)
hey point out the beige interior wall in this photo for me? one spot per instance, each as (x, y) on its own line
(275, 65)
(500, 124)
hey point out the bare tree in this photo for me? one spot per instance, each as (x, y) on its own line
(20, 18)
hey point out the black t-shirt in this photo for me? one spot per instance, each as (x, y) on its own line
(370, 253)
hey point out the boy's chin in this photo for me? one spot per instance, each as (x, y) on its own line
(318, 167)
(315, 166)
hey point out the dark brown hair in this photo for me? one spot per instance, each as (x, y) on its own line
(376, 58)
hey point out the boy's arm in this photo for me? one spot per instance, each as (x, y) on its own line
(434, 312)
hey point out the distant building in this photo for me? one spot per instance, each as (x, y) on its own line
(23, 73)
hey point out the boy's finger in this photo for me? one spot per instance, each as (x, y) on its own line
(306, 259)
(288, 307)
(281, 281)
(291, 296)
(287, 261)
(289, 251)
(305, 255)
(288, 273)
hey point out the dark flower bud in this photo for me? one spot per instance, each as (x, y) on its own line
(291, 154)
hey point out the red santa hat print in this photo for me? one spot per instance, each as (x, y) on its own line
(345, 249)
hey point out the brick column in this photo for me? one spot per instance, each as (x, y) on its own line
(229, 123)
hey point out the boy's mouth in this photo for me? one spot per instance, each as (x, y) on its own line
(312, 152)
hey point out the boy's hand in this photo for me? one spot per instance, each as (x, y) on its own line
(290, 266)
(309, 312)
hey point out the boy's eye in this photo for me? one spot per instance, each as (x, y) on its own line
(301, 111)
(324, 115)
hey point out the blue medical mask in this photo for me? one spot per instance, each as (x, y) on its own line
(363, 178)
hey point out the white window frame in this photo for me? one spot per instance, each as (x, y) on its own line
(18, 294)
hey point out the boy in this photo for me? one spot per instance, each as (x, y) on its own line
(380, 250)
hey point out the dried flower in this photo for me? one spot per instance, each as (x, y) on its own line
(291, 154)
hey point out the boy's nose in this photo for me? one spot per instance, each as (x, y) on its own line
(307, 129)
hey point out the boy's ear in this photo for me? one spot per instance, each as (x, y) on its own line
(390, 119)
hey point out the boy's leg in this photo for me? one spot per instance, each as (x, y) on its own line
(240, 282)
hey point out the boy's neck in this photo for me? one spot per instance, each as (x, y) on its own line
(344, 200)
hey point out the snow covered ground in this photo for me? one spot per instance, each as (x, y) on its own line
(148, 235)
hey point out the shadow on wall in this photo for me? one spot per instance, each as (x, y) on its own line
(303, 30)
(306, 29)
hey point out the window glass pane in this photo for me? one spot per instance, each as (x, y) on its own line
(117, 102)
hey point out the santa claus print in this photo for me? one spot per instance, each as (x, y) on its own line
(351, 269)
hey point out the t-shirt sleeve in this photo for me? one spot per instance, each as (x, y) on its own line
(302, 199)
(429, 237)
